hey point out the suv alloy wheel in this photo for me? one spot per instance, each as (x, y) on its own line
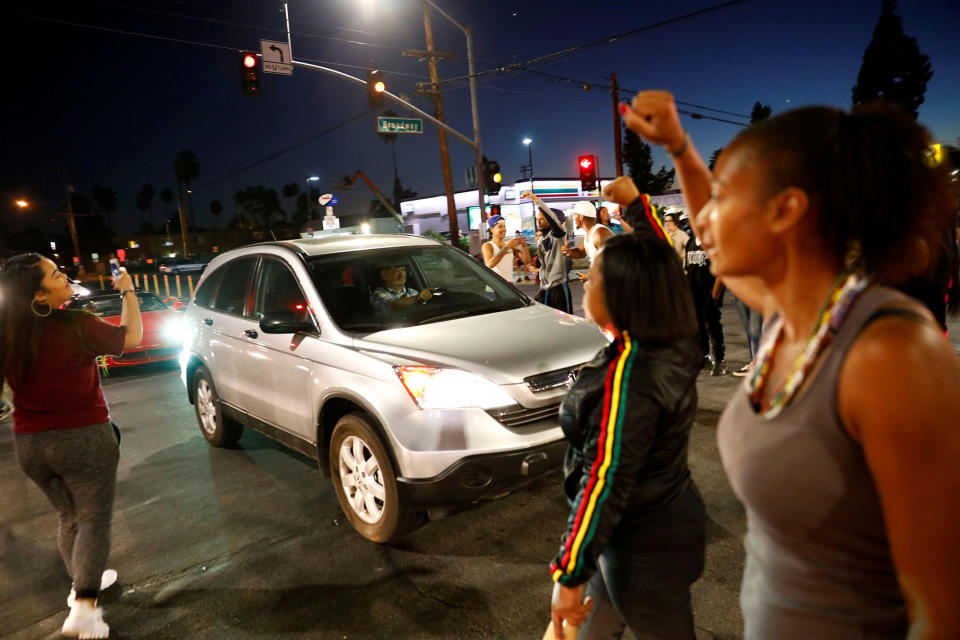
(365, 481)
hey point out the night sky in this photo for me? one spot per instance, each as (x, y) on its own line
(111, 106)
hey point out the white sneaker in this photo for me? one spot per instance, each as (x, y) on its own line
(85, 622)
(106, 581)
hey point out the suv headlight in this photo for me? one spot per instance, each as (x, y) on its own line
(434, 388)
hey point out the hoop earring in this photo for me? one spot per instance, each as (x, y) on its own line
(36, 313)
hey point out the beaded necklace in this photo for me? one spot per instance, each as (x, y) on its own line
(843, 292)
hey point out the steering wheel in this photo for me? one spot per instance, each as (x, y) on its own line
(439, 291)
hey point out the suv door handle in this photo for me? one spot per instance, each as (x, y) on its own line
(208, 321)
(250, 333)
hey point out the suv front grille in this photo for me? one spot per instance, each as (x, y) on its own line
(553, 379)
(517, 416)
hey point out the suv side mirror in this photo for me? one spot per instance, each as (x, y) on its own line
(284, 322)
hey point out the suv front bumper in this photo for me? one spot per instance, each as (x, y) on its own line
(483, 476)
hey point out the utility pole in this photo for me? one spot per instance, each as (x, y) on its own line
(183, 217)
(617, 143)
(444, 152)
(72, 224)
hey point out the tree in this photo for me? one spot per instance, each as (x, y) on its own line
(713, 158)
(636, 153)
(106, 199)
(145, 201)
(216, 208)
(760, 112)
(166, 197)
(258, 203)
(893, 68)
(290, 191)
(186, 168)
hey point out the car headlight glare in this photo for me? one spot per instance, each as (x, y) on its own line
(174, 330)
(435, 388)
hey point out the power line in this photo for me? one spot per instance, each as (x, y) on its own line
(286, 149)
(521, 66)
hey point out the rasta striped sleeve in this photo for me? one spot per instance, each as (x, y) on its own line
(590, 502)
(654, 219)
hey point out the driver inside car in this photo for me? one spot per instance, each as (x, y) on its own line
(394, 292)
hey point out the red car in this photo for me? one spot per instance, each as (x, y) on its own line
(161, 327)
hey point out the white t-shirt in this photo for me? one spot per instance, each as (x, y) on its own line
(589, 244)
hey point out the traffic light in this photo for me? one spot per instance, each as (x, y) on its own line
(491, 176)
(588, 172)
(375, 88)
(248, 65)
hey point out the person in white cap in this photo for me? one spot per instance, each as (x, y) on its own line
(585, 217)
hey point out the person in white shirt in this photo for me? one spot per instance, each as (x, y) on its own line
(678, 235)
(585, 217)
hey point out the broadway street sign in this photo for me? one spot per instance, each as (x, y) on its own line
(399, 125)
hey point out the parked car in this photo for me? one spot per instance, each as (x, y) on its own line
(439, 403)
(162, 326)
(177, 266)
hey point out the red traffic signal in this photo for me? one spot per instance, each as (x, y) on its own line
(248, 68)
(589, 180)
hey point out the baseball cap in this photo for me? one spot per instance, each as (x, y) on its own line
(493, 220)
(584, 208)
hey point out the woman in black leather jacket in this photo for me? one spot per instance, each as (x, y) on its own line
(636, 526)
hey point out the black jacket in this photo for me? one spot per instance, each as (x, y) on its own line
(628, 420)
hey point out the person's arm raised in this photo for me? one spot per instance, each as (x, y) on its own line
(129, 310)
(653, 115)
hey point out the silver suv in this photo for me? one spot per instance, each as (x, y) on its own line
(435, 391)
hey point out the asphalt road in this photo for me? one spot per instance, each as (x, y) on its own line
(250, 542)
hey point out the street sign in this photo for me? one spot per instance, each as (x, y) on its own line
(399, 125)
(333, 201)
(325, 198)
(276, 57)
(330, 221)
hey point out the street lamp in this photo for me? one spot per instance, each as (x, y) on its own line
(529, 143)
(23, 204)
(310, 179)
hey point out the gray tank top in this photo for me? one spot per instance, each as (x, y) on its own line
(818, 560)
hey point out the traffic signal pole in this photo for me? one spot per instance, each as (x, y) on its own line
(473, 144)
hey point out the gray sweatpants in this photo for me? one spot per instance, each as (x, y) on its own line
(77, 470)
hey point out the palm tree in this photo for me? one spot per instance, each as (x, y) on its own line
(290, 191)
(216, 208)
(106, 199)
(145, 201)
(391, 139)
(186, 168)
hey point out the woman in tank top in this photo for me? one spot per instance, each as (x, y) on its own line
(497, 254)
(843, 444)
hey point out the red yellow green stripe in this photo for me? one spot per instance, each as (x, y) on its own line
(604, 466)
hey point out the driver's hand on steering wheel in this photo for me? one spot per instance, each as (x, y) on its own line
(425, 295)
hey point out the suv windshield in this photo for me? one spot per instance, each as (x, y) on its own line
(372, 290)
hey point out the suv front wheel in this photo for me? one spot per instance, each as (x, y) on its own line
(365, 481)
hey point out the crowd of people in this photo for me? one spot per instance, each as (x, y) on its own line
(836, 231)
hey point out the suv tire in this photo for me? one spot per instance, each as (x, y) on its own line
(218, 430)
(371, 500)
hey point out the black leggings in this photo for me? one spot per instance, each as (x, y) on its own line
(77, 470)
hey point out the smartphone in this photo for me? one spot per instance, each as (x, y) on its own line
(115, 267)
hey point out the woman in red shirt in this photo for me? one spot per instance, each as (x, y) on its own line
(63, 435)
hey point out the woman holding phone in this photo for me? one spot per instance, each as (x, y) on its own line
(64, 439)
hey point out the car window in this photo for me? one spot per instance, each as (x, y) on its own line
(356, 296)
(231, 296)
(205, 292)
(277, 290)
(112, 305)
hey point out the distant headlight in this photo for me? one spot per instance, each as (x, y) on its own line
(433, 388)
(174, 330)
